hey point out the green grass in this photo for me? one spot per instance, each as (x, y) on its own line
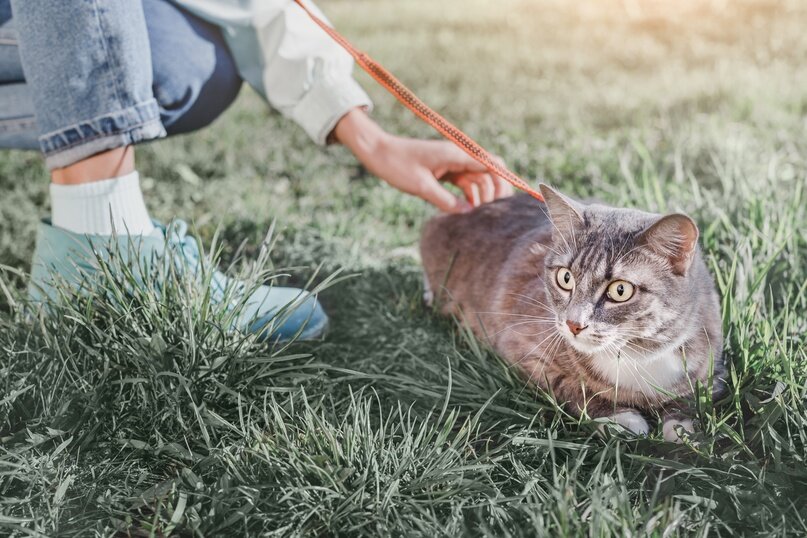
(142, 417)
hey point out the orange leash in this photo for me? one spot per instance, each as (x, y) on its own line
(422, 110)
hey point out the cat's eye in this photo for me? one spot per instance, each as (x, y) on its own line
(620, 291)
(565, 279)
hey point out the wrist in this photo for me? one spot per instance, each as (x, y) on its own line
(360, 134)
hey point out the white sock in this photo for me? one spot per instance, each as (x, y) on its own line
(99, 207)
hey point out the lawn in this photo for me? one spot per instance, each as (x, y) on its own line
(140, 417)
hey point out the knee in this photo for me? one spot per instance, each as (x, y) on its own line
(195, 76)
(195, 95)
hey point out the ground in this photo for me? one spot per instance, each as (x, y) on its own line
(140, 417)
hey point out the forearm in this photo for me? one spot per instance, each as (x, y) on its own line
(361, 135)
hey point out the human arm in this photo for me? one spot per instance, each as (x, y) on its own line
(302, 73)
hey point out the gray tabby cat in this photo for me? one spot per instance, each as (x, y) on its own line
(611, 310)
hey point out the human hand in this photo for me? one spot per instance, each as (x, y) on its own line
(418, 167)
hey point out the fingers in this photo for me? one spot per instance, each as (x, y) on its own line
(450, 164)
(463, 171)
(478, 188)
(501, 188)
(434, 193)
(470, 190)
(487, 188)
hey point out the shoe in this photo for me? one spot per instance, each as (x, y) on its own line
(273, 313)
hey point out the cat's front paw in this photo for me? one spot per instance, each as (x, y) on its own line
(632, 421)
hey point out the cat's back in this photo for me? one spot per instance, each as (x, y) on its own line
(504, 216)
(463, 253)
(486, 227)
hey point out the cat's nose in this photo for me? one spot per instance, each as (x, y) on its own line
(575, 327)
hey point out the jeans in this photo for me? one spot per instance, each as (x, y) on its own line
(81, 77)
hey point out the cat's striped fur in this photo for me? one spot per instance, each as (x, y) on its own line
(496, 268)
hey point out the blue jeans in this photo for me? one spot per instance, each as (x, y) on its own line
(81, 77)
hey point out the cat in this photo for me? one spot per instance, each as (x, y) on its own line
(612, 311)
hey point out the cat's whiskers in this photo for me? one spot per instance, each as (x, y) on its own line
(632, 368)
(550, 323)
(637, 347)
(556, 252)
(653, 349)
(552, 250)
(536, 346)
(638, 332)
(632, 327)
(613, 355)
(547, 357)
(524, 319)
(638, 365)
(552, 349)
(516, 314)
(655, 344)
(530, 300)
(510, 328)
(657, 402)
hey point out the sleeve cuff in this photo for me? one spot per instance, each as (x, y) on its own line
(326, 103)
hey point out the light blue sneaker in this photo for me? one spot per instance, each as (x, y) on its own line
(272, 312)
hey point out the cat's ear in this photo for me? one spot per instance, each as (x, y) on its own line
(565, 214)
(674, 237)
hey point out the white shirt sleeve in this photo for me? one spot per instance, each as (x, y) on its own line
(288, 59)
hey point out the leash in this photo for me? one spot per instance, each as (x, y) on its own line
(411, 101)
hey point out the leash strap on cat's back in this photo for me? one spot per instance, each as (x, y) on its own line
(411, 101)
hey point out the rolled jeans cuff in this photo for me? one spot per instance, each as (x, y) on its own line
(137, 123)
